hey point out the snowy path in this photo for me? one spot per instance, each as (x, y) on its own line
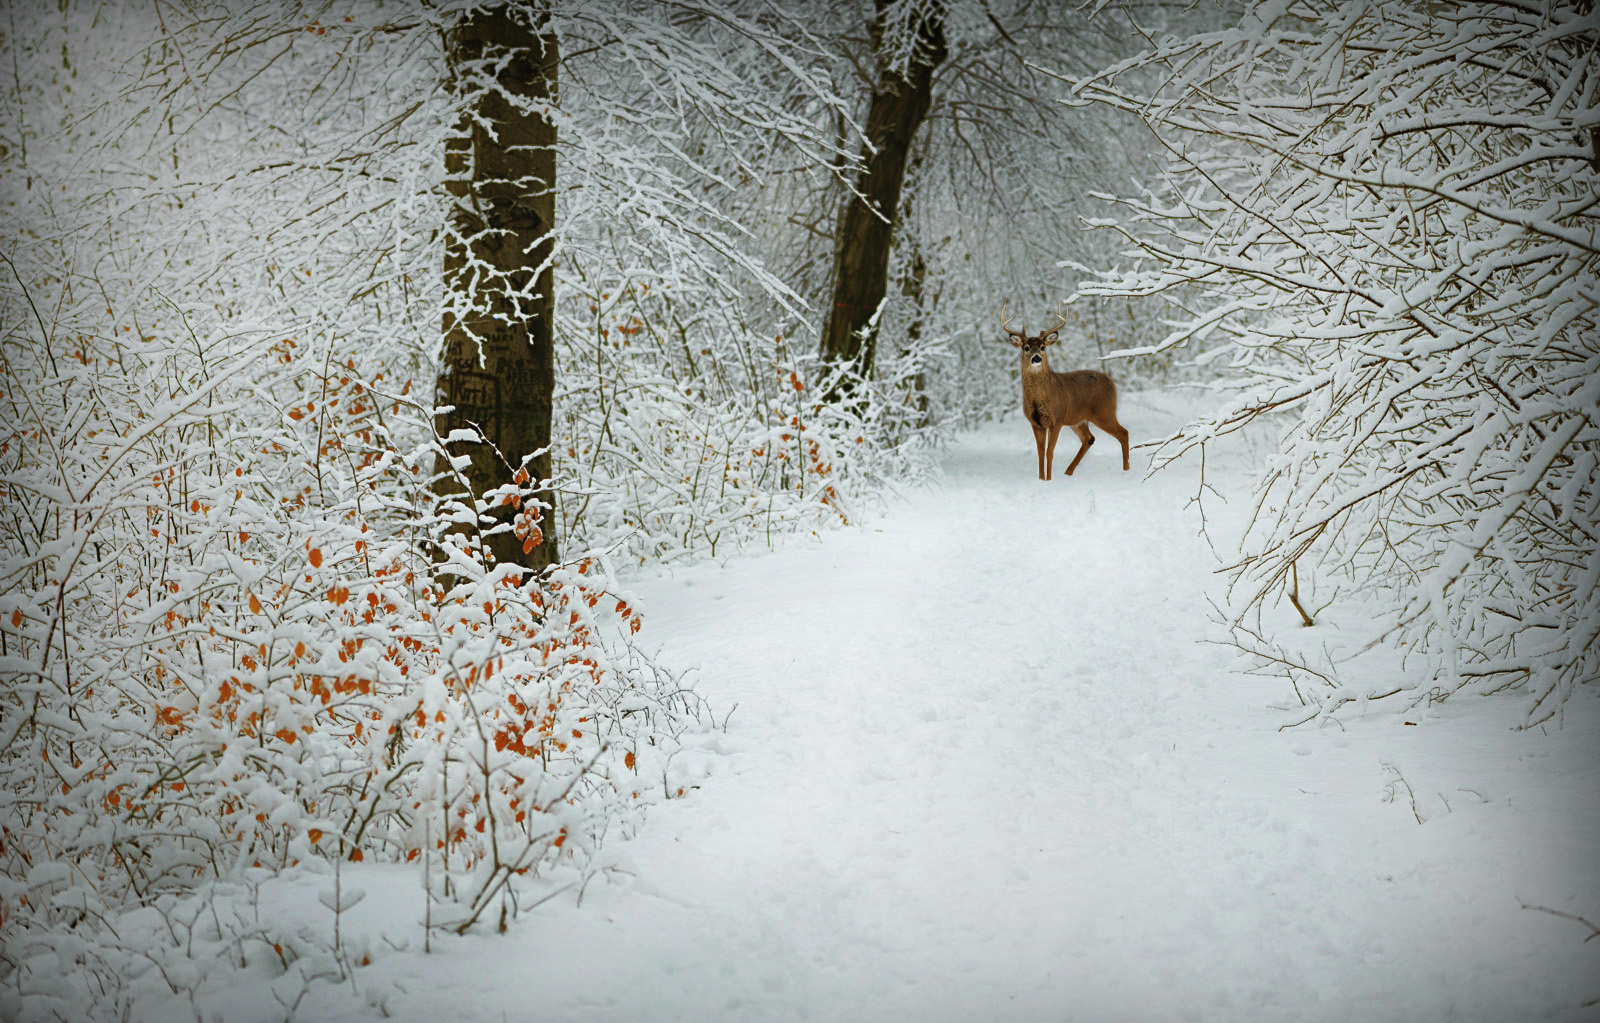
(981, 768)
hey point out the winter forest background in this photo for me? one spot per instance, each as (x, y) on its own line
(358, 357)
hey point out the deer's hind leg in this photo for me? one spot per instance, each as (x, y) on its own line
(1109, 424)
(1082, 430)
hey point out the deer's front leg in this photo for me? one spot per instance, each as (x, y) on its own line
(1038, 443)
(1050, 451)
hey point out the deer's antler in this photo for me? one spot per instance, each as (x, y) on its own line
(1019, 335)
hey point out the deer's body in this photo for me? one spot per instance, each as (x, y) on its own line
(1052, 400)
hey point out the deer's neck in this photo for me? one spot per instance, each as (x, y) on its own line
(1040, 393)
(1036, 378)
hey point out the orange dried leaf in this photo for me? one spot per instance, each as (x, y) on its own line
(255, 605)
(316, 557)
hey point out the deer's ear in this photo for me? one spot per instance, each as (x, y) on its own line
(1015, 340)
(1050, 338)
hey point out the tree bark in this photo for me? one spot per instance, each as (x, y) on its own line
(861, 244)
(498, 370)
(913, 286)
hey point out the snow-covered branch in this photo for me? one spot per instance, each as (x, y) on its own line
(1385, 224)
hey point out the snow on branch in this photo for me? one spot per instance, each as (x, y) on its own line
(1386, 221)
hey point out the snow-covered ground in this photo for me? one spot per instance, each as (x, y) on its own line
(979, 764)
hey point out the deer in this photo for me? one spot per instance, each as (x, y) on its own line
(1051, 400)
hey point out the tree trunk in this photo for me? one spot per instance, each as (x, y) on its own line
(912, 288)
(499, 360)
(861, 245)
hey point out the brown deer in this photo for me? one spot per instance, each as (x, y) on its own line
(1052, 400)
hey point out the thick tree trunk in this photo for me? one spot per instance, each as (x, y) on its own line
(499, 358)
(861, 245)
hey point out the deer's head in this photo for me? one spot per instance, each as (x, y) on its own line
(1033, 358)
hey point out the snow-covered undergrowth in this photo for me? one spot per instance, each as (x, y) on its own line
(673, 456)
(228, 660)
(227, 650)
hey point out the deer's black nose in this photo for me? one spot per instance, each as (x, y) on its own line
(1037, 359)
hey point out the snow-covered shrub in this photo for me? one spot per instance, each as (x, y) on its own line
(1381, 221)
(224, 648)
(681, 440)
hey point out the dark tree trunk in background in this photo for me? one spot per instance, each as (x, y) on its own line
(913, 288)
(861, 245)
(913, 284)
(499, 358)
